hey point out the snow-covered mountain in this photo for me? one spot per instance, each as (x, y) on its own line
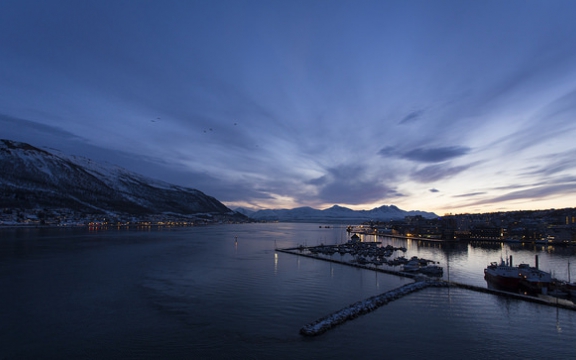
(33, 178)
(244, 211)
(336, 214)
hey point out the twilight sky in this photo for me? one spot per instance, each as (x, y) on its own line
(444, 106)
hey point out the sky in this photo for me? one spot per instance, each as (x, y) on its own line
(443, 106)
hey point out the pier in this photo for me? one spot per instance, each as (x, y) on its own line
(547, 300)
(295, 251)
(369, 256)
(416, 238)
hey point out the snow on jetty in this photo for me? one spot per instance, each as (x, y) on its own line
(365, 306)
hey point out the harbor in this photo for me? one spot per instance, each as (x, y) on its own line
(381, 258)
(370, 256)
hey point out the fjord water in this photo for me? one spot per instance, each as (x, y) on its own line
(223, 292)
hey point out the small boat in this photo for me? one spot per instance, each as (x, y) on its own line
(432, 270)
(421, 266)
(412, 265)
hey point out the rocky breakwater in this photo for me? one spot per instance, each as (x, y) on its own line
(351, 312)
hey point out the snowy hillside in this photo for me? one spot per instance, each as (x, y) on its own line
(32, 178)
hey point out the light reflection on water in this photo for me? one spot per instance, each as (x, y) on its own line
(223, 292)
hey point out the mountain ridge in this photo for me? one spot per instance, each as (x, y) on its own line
(31, 177)
(336, 213)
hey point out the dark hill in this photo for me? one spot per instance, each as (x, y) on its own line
(35, 178)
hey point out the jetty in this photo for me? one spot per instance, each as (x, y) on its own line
(362, 307)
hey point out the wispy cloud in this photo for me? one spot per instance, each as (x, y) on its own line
(351, 185)
(433, 173)
(13, 128)
(470, 194)
(426, 155)
(554, 120)
(535, 193)
(412, 117)
(553, 164)
(433, 155)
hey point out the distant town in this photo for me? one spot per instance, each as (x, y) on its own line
(64, 217)
(554, 226)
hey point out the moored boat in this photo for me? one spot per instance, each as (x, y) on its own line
(502, 274)
(508, 277)
(422, 266)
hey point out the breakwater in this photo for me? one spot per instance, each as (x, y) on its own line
(363, 307)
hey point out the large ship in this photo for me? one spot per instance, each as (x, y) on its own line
(505, 276)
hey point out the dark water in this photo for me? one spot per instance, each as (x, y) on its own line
(193, 293)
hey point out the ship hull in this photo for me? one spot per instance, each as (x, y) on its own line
(502, 280)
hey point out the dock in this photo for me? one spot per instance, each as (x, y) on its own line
(547, 300)
(295, 251)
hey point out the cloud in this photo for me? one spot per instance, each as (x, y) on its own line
(470, 194)
(434, 155)
(433, 173)
(533, 193)
(23, 130)
(553, 188)
(388, 151)
(553, 164)
(427, 155)
(509, 187)
(434, 190)
(412, 117)
(350, 185)
(554, 120)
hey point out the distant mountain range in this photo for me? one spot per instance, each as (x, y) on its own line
(335, 214)
(34, 178)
